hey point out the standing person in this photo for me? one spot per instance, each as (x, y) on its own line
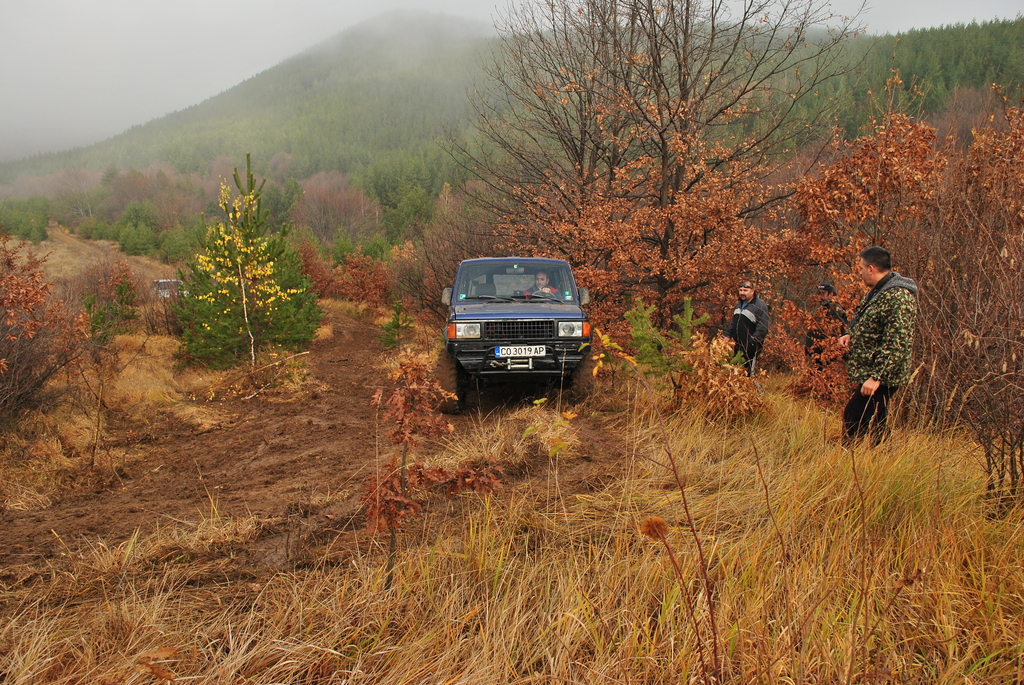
(750, 322)
(829, 321)
(880, 341)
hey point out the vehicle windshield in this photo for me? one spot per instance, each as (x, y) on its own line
(508, 281)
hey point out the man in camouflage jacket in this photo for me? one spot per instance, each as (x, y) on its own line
(880, 340)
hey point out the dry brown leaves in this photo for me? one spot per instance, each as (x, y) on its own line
(715, 387)
(152, 663)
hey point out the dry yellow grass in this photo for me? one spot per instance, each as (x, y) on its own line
(136, 378)
(139, 378)
(359, 311)
(68, 255)
(826, 566)
(822, 565)
(324, 332)
(516, 440)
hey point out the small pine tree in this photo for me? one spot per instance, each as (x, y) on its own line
(646, 339)
(395, 329)
(245, 289)
(343, 247)
(686, 323)
(137, 239)
(658, 352)
(38, 234)
(113, 313)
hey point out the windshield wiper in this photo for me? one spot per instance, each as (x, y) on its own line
(491, 298)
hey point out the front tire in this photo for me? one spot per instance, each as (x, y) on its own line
(452, 378)
(584, 384)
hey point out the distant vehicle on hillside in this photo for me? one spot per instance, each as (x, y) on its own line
(167, 288)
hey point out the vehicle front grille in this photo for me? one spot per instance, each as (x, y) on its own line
(519, 330)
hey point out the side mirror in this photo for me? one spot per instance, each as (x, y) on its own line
(584, 296)
(446, 297)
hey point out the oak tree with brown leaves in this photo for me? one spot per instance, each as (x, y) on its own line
(37, 335)
(632, 137)
(968, 252)
(953, 216)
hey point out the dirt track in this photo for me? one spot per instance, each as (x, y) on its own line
(297, 457)
(272, 456)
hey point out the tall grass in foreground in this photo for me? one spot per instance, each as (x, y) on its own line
(881, 565)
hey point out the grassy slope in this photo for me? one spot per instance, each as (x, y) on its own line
(68, 256)
(825, 565)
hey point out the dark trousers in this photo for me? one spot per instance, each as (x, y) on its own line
(868, 414)
(750, 354)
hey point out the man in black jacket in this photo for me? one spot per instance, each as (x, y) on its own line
(750, 322)
(830, 321)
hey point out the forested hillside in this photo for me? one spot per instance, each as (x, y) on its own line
(944, 58)
(348, 132)
(384, 89)
(946, 64)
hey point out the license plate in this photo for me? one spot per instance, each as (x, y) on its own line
(521, 351)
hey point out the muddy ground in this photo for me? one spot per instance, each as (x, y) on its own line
(297, 457)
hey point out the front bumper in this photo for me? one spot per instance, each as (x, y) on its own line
(479, 359)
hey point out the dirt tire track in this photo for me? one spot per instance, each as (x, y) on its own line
(274, 454)
(279, 456)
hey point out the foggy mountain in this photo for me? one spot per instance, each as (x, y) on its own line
(391, 84)
(381, 93)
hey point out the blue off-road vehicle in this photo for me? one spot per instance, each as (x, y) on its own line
(514, 319)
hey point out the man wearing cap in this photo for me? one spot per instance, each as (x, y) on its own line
(880, 341)
(749, 327)
(829, 321)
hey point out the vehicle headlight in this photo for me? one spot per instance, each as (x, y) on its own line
(467, 330)
(570, 329)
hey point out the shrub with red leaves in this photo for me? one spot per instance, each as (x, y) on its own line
(37, 336)
(364, 279)
(411, 409)
(324, 279)
(388, 503)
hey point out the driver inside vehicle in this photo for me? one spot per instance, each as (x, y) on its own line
(541, 284)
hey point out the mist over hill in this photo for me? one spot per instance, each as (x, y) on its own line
(381, 93)
(387, 86)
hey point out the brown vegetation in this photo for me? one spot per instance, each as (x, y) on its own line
(954, 221)
(817, 564)
(38, 335)
(331, 209)
(685, 524)
(821, 566)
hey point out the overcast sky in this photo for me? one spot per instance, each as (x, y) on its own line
(74, 72)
